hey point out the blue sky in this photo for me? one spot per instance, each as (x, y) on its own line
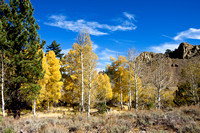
(117, 25)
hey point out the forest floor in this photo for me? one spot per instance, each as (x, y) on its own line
(64, 120)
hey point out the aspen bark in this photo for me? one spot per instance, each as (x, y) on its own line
(129, 87)
(136, 93)
(34, 107)
(121, 95)
(2, 87)
(82, 84)
(159, 98)
(90, 87)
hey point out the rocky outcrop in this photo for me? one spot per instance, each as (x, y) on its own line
(176, 61)
(146, 56)
(185, 51)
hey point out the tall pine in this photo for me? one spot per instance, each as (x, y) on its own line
(56, 48)
(4, 46)
(25, 60)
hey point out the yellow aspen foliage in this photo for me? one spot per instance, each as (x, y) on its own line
(43, 92)
(147, 96)
(104, 91)
(54, 84)
(72, 77)
(168, 96)
(120, 77)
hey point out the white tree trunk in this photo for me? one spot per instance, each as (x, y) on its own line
(130, 99)
(2, 88)
(159, 98)
(34, 107)
(136, 93)
(129, 90)
(121, 95)
(121, 101)
(90, 87)
(82, 84)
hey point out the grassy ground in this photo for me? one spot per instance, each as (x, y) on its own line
(63, 120)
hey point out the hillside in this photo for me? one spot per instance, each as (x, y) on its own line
(175, 61)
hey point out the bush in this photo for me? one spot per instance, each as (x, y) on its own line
(150, 105)
(8, 130)
(101, 107)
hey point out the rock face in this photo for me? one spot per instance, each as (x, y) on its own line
(185, 51)
(146, 56)
(175, 61)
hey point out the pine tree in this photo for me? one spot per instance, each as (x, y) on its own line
(25, 61)
(3, 47)
(56, 48)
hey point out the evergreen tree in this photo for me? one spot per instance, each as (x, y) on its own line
(25, 60)
(56, 48)
(3, 47)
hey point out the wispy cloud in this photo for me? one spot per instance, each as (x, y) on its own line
(94, 28)
(106, 53)
(104, 58)
(130, 16)
(65, 51)
(94, 47)
(162, 48)
(191, 33)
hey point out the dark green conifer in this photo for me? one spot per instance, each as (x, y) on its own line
(56, 48)
(24, 55)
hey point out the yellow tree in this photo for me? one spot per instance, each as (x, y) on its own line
(83, 40)
(146, 98)
(192, 74)
(54, 83)
(72, 76)
(104, 91)
(120, 77)
(43, 97)
(80, 64)
(90, 64)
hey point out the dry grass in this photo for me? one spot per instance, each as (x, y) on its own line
(183, 120)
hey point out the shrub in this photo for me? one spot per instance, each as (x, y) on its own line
(150, 105)
(101, 107)
(8, 130)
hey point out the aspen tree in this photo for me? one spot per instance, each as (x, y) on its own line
(90, 65)
(54, 84)
(104, 91)
(120, 78)
(43, 97)
(161, 79)
(134, 65)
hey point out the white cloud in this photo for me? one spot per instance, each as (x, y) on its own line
(92, 27)
(65, 51)
(191, 33)
(129, 16)
(106, 53)
(162, 48)
(99, 69)
(104, 58)
(94, 47)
